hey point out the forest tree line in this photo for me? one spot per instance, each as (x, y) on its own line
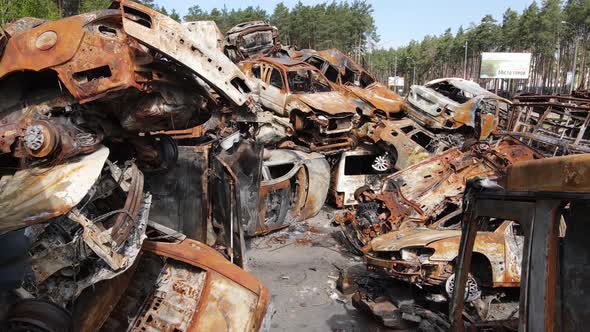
(11, 10)
(344, 25)
(552, 30)
(549, 30)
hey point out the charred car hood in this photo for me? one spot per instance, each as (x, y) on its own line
(418, 237)
(332, 103)
(378, 96)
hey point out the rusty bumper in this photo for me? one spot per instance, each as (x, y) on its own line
(412, 272)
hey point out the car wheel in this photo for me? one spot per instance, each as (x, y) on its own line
(472, 291)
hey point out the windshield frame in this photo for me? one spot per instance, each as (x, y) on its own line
(312, 84)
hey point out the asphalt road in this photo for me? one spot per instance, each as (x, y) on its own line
(300, 267)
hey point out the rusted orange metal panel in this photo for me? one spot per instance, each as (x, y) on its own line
(26, 51)
(565, 174)
(200, 255)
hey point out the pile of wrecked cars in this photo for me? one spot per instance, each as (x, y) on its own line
(84, 102)
(138, 155)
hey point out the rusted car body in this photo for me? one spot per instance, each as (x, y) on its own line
(452, 103)
(319, 115)
(110, 73)
(76, 263)
(294, 188)
(390, 146)
(424, 256)
(182, 285)
(413, 277)
(290, 186)
(78, 223)
(355, 81)
(77, 95)
(540, 196)
(430, 192)
(406, 140)
(403, 137)
(554, 125)
(249, 40)
(211, 194)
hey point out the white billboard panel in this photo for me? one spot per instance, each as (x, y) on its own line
(505, 65)
(395, 81)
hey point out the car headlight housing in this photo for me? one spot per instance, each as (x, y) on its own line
(322, 120)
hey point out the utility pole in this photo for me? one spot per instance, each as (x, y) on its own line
(465, 61)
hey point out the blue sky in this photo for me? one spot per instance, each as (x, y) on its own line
(398, 22)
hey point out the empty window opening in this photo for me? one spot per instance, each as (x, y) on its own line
(110, 32)
(239, 84)
(365, 80)
(256, 71)
(348, 76)
(331, 74)
(138, 17)
(316, 62)
(451, 92)
(275, 79)
(279, 170)
(422, 139)
(92, 74)
(359, 165)
(407, 129)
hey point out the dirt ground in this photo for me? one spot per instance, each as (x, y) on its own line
(300, 266)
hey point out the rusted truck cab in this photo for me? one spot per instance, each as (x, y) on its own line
(550, 200)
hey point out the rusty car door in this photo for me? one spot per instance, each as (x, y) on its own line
(273, 89)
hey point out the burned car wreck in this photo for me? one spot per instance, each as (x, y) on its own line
(143, 160)
(425, 257)
(182, 285)
(82, 224)
(81, 99)
(449, 104)
(385, 148)
(551, 197)
(428, 193)
(77, 91)
(355, 82)
(252, 39)
(304, 103)
(554, 125)
(294, 188)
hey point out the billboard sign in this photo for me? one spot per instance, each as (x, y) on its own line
(505, 65)
(395, 81)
